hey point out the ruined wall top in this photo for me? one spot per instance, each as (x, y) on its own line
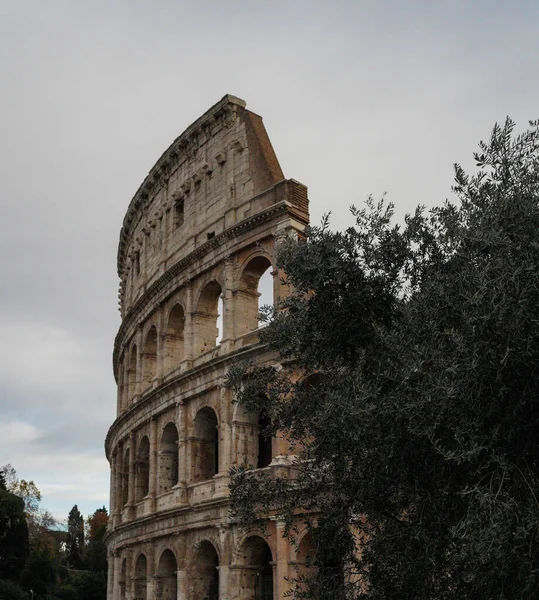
(202, 184)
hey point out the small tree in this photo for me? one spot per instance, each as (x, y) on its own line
(13, 533)
(413, 408)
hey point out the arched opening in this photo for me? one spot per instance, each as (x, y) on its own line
(207, 332)
(264, 440)
(141, 568)
(255, 290)
(125, 478)
(143, 469)
(174, 345)
(257, 571)
(166, 576)
(149, 358)
(206, 572)
(132, 373)
(168, 458)
(122, 580)
(206, 445)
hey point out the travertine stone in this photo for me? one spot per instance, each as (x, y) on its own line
(198, 235)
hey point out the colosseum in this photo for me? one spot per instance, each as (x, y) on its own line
(197, 243)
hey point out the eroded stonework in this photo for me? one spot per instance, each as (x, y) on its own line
(199, 234)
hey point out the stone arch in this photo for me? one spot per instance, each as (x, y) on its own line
(204, 572)
(168, 458)
(132, 373)
(166, 576)
(255, 560)
(207, 314)
(248, 296)
(122, 579)
(205, 444)
(143, 469)
(174, 338)
(305, 556)
(149, 358)
(141, 575)
(265, 454)
(125, 478)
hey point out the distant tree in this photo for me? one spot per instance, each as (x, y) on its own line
(96, 552)
(75, 538)
(414, 404)
(13, 533)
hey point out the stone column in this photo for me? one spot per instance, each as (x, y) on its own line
(120, 389)
(189, 333)
(117, 562)
(225, 430)
(132, 462)
(281, 560)
(129, 575)
(138, 375)
(160, 349)
(229, 303)
(154, 443)
(110, 575)
(181, 584)
(118, 476)
(224, 569)
(182, 452)
(112, 502)
(127, 391)
(150, 572)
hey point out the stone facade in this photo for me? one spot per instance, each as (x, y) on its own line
(197, 237)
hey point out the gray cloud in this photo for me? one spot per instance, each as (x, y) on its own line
(358, 98)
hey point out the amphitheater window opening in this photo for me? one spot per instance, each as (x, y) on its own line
(207, 315)
(206, 450)
(125, 478)
(122, 579)
(166, 576)
(264, 440)
(220, 329)
(206, 575)
(255, 290)
(143, 469)
(178, 213)
(168, 458)
(132, 383)
(257, 571)
(137, 263)
(141, 569)
(305, 560)
(174, 349)
(149, 358)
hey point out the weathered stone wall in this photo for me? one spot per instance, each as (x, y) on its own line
(197, 237)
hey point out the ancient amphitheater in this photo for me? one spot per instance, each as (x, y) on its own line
(198, 236)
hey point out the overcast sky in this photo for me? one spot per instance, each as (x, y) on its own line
(358, 97)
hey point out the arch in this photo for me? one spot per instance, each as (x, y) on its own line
(249, 293)
(166, 576)
(168, 458)
(149, 358)
(122, 579)
(305, 556)
(174, 338)
(205, 572)
(125, 478)
(206, 330)
(265, 454)
(132, 373)
(206, 444)
(143, 469)
(256, 573)
(141, 571)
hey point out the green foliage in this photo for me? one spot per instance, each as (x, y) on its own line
(9, 590)
(415, 419)
(13, 535)
(75, 538)
(96, 552)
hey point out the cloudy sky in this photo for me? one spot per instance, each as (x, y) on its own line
(358, 97)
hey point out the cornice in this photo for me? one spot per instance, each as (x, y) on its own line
(180, 150)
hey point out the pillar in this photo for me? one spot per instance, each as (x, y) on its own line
(110, 575)
(281, 560)
(112, 502)
(132, 462)
(160, 349)
(154, 442)
(229, 302)
(138, 374)
(117, 562)
(189, 334)
(118, 477)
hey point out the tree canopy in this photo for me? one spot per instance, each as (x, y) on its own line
(410, 392)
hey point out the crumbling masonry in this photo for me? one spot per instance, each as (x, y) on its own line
(198, 235)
